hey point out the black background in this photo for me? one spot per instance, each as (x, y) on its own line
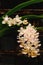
(9, 41)
(12, 3)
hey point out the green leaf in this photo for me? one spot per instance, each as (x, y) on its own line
(39, 28)
(32, 16)
(22, 5)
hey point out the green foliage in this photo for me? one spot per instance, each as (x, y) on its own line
(22, 5)
(32, 16)
(39, 28)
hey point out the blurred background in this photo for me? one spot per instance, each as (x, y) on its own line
(8, 43)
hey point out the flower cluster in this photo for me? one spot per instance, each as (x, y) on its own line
(29, 42)
(27, 37)
(13, 21)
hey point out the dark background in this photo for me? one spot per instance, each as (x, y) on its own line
(12, 3)
(8, 43)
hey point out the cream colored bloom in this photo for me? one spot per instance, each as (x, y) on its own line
(28, 39)
(6, 18)
(18, 20)
(32, 52)
(10, 22)
(25, 22)
(15, 21)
